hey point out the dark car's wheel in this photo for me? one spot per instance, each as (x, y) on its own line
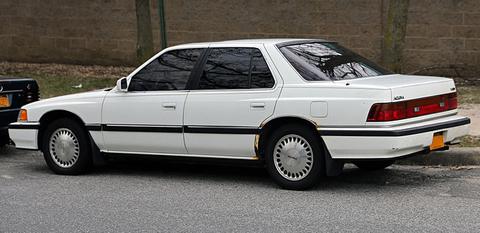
(4, 139)
(3, 142)
(373, 165)
(66, 147)
(294, 157)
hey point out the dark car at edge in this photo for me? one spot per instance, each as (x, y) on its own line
(14, 93)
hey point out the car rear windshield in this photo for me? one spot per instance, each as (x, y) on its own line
(328, 61)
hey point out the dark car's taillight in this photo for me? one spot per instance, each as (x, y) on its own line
(31, 93)
(412, 108)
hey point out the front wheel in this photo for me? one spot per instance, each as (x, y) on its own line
(66, 147)
(373, 165)
(294, 157)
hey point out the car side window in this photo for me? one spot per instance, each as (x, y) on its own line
(226, 68)
(261, 77)
(235, 68)
(170, 71)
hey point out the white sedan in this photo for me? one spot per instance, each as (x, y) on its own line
(301, 107)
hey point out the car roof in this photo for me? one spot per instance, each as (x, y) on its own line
(269, 41)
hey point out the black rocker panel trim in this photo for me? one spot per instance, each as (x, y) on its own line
(23, 126)
(137, 128)
(221, 130)
(175, 129)
(94, 127)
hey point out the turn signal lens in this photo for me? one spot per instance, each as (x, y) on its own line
(412, 108)
(22, 115)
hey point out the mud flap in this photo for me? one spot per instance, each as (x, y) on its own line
(332, 167)
(98, 158)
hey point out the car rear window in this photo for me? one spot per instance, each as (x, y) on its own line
(328, 61)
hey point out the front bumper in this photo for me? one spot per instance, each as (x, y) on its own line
(24, 134)
(391, 142)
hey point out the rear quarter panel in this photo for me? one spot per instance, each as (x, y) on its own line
(328, 103)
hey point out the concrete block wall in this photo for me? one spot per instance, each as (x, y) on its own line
(439, 32)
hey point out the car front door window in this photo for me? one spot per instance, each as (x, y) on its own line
(170, 71)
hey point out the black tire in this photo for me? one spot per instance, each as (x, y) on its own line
(83, 162)
(3, 142)
(317, 169)
(373, 165)
(4, 139)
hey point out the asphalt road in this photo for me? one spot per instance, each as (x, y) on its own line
(131, 195)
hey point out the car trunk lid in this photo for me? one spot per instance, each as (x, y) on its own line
(407, 87)
(411, 96)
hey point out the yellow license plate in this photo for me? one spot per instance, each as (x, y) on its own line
(437, 141)
(4, 101)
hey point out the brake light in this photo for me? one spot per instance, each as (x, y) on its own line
(31, 94)
(412, 108)
(387, 112)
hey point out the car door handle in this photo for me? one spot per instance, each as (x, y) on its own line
(257, 105)
(169, 105)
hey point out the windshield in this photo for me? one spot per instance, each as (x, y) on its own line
(328, 61)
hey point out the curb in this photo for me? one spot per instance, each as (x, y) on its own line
(455, 156)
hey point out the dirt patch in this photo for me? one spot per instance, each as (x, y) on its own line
(473, 112)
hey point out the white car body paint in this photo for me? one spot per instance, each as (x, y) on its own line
(188, 118)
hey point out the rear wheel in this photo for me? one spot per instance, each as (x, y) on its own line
(373, 165)
(294, 157)
(66, 147)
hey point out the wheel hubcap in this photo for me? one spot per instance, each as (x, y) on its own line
(293, 157)
(64, 147)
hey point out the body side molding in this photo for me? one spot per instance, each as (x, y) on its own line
(175, 129)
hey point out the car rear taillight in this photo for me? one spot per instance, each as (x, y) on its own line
(31, 94)
(412, 108)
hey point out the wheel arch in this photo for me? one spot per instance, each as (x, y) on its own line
(51, 116)
(268, 127)
(333, 167)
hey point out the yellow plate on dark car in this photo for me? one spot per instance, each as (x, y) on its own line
(4, 102)
(437, 141)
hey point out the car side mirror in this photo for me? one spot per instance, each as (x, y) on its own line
(122, 84)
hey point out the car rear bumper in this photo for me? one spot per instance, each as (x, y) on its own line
(391, 142)
(24, 135)
(7, 116)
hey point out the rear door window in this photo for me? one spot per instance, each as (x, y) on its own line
(261, 77)
(235, 68)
